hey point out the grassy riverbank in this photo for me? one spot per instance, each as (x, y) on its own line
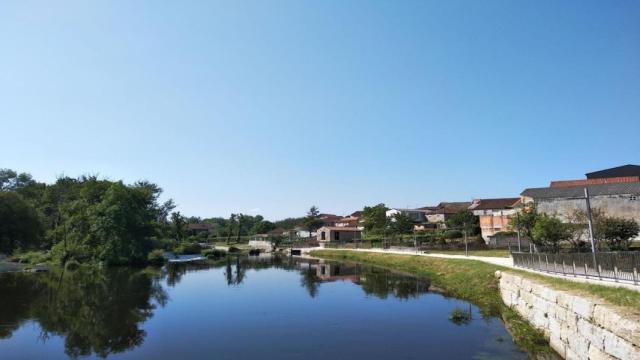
(486, 253)
(473, 281)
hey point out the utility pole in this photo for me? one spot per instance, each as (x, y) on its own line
(518, 220)
(590, 220)
(466, 246)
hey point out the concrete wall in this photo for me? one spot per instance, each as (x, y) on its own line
(615, 205)
(577, 327)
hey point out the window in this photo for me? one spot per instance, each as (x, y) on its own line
(323, 236)
(336, 236)
(633, 197)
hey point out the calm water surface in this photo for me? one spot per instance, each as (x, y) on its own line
(241, 308)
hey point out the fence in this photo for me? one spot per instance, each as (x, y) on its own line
(608, 265)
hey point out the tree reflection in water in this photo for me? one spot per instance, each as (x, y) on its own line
(101, 310)
(95, 310)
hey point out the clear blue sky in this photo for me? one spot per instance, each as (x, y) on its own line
(277, 105)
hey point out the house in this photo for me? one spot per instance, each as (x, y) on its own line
(416, 215)
(614, 199)
(495, 215)
(338, 234)
(199, 228)
(442, 212)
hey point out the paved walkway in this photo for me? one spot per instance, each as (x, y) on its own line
(500, 261)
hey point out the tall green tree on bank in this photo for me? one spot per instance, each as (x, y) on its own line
(525, 220)
(178, 226)
(20, 225)
(401, 224)
(312, 221)
(617, 232)
(548, 232)
(375, 219)
(464, 220)
(87, 218)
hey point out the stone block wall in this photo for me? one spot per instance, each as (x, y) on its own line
(577, 327)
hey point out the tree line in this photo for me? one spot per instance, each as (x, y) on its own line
(550, 232)
(83, 219)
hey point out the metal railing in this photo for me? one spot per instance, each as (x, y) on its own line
(619, 266)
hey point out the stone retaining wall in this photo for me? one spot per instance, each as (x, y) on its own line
(577, 327)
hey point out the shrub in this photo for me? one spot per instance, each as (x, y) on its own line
(163, 243)
(214, 253)
(156, 258)
(187, 248)
(32, 257)
(453, 234)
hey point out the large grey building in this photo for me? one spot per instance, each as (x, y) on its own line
(614, 199)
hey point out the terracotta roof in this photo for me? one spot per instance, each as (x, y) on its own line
(578, 191)
(340, 228)
(494, 204)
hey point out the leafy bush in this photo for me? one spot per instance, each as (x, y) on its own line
(214, 253)
(453, 234)
(32, 257)
(187, 248)
(156, 258)
(163, 243)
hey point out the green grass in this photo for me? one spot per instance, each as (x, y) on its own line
(488, 253)
(473, 281)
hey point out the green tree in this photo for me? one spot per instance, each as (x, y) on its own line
(20, 225)
(262, 227)
(616, 232)
(401, 224)
(549, 232)
(312, 221)
(178, 224)
(10, 180)
(525, 221)
(464, 220)
(375, 219)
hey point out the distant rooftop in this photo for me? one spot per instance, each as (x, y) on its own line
(494, 204)
(620, 171)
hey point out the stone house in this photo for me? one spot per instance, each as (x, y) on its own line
(338, 234)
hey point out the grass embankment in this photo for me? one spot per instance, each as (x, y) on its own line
(487, 253)
(475, 282)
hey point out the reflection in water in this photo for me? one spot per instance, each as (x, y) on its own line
(95, 310)
(100, 312)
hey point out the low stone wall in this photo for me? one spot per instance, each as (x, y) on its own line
(577, 327)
